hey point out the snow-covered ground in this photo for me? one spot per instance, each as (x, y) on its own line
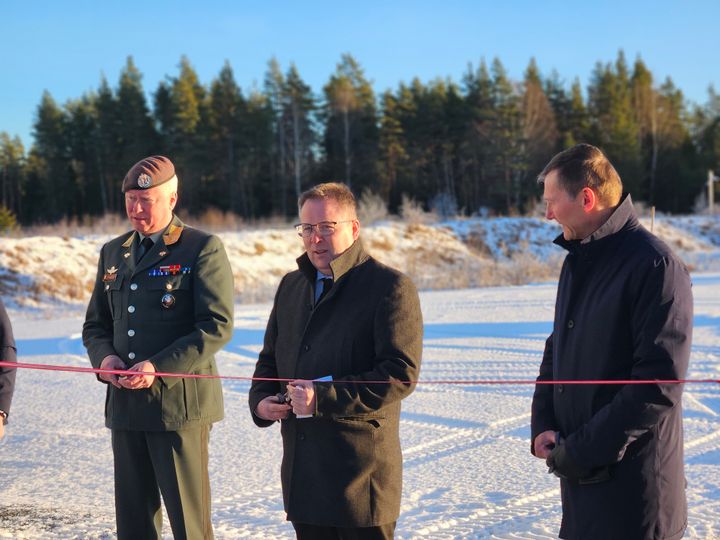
(467, 469)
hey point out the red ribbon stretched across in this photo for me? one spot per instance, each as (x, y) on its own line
(50, 367)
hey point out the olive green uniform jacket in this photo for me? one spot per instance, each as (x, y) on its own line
(174, 309)
(343, 467)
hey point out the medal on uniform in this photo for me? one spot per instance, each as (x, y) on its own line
(167, 301)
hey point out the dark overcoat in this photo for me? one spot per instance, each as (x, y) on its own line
(343, 466)
(624, 311)
(8, 353)
(175, 309)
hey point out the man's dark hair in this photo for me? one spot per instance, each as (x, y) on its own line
(584, 165)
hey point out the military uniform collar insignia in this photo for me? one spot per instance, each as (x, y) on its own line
(172, 234)
(127, 243)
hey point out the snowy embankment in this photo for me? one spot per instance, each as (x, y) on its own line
(467, 466)
(40, 271)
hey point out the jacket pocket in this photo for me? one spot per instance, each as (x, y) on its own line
(113, 289)
(173, 295)
(203, 397)
(360, 423)
(174, 405)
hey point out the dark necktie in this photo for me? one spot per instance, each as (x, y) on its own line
(327, 284)
(144, 247)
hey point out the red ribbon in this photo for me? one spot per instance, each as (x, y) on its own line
(50, 367)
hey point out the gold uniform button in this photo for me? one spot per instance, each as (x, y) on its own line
(168, 286)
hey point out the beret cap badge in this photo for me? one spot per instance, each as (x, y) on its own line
(144, 181)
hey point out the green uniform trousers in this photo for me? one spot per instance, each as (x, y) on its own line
(171, 463)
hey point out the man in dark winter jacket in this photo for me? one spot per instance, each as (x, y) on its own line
(623, 312)
(345, 317)
(8, 353)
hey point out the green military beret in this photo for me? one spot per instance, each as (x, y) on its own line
(148, 173)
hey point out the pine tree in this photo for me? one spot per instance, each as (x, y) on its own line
(136, 131)
(614, 126)
(539, 131)
(351, 135)
(274, 92)
(299, 105)
(477, 149)
(84, 196)
(50, 190)
(12, 173)
(679, 175)
(507, 138)
(107, 145)
(392, 151)
(579, 127)
(227, 108)
(257, 181)
(183, 108)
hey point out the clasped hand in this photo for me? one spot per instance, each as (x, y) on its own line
(144, 378)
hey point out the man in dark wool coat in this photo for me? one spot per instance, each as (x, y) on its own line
(340, 324)
(623, 312)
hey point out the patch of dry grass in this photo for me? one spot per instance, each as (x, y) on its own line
(64, 284)
(108, 224)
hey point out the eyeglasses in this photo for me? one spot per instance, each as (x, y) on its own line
(324, 228)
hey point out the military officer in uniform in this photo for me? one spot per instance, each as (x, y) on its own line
(162, 302)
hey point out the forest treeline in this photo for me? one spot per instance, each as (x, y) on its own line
(471, 147)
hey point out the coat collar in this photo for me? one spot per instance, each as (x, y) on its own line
(349, 259)
(623, 217)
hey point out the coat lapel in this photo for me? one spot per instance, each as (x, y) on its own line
(126, 252)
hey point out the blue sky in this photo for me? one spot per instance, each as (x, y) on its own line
(65, 46)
